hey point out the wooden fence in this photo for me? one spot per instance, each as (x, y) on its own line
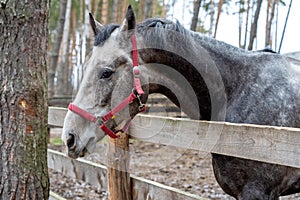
(96, 175)
(278, 145)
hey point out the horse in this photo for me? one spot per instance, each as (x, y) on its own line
(206, 78)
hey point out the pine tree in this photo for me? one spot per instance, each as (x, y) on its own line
(23, 100)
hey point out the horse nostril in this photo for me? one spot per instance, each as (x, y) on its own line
(71, 141)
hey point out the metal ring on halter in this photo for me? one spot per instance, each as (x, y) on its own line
(136, 71)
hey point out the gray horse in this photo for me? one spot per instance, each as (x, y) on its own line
(206, 78)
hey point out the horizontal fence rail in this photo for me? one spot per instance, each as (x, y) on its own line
(96, 175)
(278, 145)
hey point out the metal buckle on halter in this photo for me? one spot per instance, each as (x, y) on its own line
(99, 121)
(141, 105)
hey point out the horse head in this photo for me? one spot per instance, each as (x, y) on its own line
(111, 92)
(106, 100)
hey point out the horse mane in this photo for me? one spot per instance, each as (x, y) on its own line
(157, 23)
(158, 27)
(104, 33)
(163, 23)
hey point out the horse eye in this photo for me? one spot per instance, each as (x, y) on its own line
(106, 73)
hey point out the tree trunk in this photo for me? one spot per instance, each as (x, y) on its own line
(104, 12)
(269, 21)
(154, 8)
(63, 65)
(253, 30)
(246, 25)
(119, 15)
(124, 8)
(141, 9)
(23, 104)
(197, 5)
(87, 45)
(147, 9)
(55, 53)
(218, 16)
(114, 11)
(241, 14)
(95, 8)
(212, 17)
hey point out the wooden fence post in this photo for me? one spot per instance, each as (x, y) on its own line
(119, 185)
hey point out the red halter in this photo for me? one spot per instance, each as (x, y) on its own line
(101, 121)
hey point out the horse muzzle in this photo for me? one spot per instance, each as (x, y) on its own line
(76, 148)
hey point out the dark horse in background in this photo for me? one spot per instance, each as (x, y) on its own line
(206, 78)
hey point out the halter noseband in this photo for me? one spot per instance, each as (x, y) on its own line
(136, 94)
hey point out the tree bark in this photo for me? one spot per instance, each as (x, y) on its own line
(23, 99)
(253, 30)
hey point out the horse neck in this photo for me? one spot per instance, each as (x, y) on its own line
(203, 64)
(199, 96)
(165, 80)
(232, 63)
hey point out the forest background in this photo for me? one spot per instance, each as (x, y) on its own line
(248, 24)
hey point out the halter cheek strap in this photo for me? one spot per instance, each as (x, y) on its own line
(136, 69)
(101, 121)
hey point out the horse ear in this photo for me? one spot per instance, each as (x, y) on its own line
(129, 21)
(96, 26)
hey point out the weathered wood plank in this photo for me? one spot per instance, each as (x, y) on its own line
(279, 145)
(95, 174)
(89, 172)
(54, 196)
(56, 116)
(147, 189)
(119, 183)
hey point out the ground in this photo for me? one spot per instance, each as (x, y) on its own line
(187, 170)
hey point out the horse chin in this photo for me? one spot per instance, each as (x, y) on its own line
(84, 149)
(79, 154)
